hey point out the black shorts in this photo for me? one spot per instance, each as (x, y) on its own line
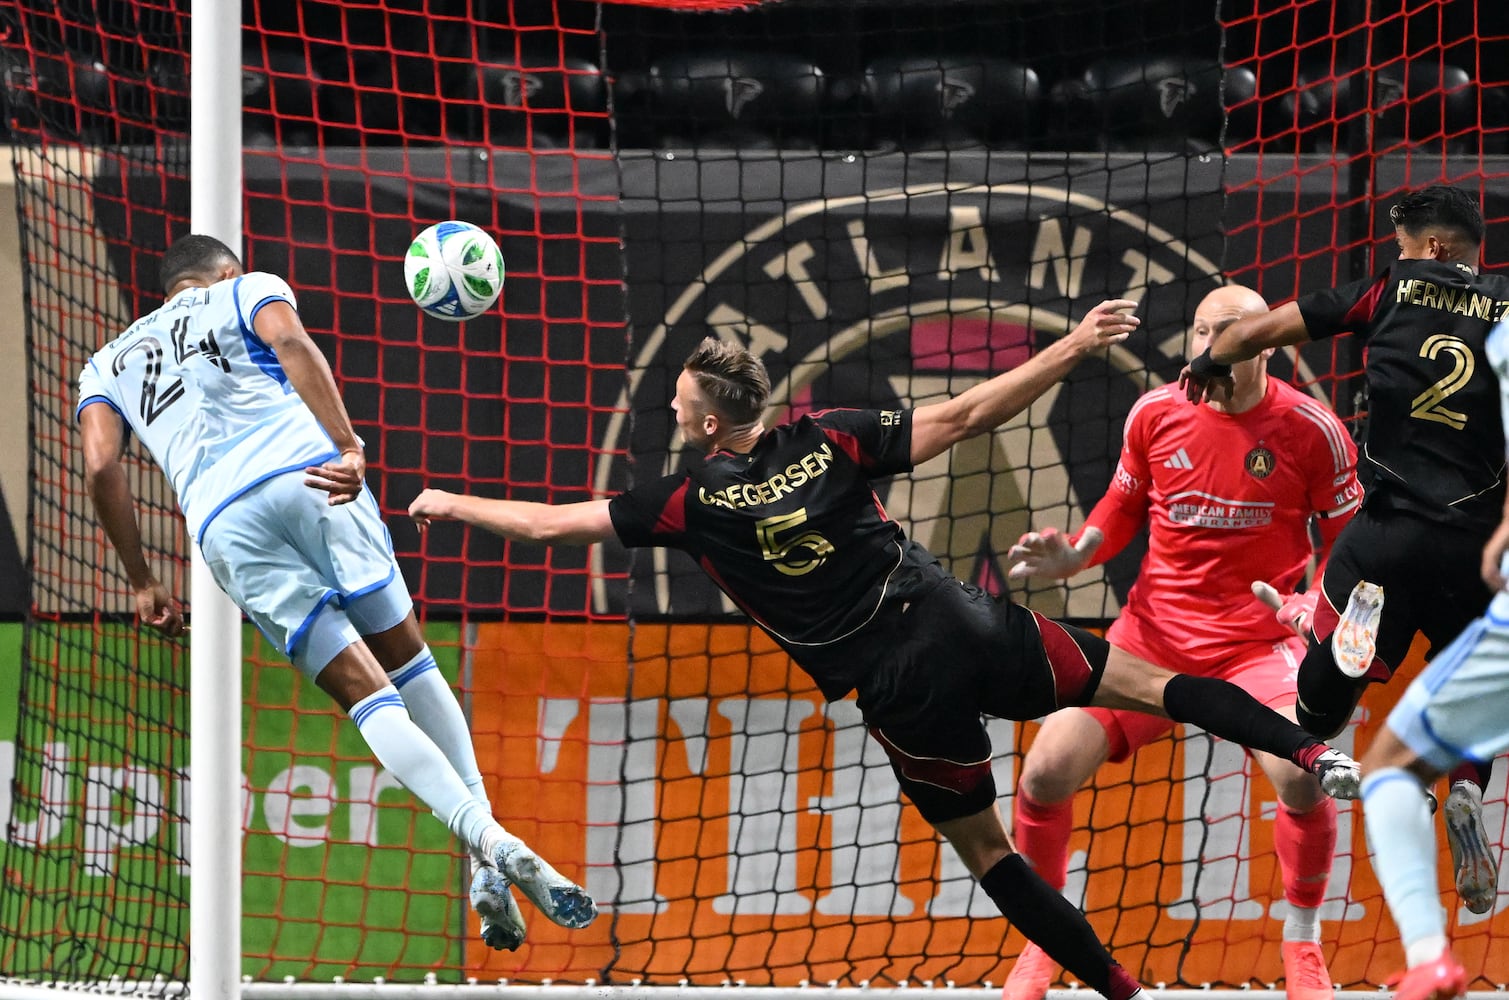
(952, 657)
(1428, 572)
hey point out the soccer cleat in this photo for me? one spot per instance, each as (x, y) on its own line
(1356, 637)
(502, 923)
(1030, 975)
(1305, 973)
(1340, 776)
(1442, 979)
(559, 898)
(1472, 856)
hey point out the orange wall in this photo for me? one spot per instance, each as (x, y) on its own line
(550, 711)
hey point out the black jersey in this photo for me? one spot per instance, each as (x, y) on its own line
(794, 534)
(1435, 437)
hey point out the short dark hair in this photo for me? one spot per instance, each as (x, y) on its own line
(1439, 206)
(194, 256)
(735, 381)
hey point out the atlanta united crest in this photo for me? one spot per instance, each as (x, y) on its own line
(1259, 463)
(897, 298)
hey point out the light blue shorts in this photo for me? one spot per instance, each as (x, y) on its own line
(312, 577)
(1458, 709)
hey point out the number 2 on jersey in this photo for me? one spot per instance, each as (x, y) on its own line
(1430, 404)
(796, 555)
(153, 403)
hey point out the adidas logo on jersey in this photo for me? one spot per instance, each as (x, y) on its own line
(1179, 460)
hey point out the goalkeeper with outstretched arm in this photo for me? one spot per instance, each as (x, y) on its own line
(226, 389)
(1228, 492)
(785, 520)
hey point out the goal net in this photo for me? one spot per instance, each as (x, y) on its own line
(887, 202)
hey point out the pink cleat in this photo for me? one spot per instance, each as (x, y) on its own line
(1030, 976)
(1442, 979)
(1305, 973)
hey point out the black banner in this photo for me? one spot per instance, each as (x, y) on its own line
(859, 280)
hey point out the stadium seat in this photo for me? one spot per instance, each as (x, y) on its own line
(1425, 101)
(1257, 118)
(20, 97)
(540, 100)
(734, 100)
(1417, 102)
(358, 98)
(950, 102)
(277, 96)
(1136, 104)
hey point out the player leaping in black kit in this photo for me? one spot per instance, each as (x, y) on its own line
(1409, 561)
(784, 519)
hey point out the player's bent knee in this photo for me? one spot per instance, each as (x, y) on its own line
(1069, 748)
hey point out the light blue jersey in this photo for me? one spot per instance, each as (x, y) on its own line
(207, 396)
(1497, 349)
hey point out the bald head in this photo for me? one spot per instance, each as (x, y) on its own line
(1216, 312)
(1234, 301)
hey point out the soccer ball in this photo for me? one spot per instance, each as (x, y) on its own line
(454, 271)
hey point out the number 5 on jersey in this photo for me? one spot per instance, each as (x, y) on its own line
(795, 555)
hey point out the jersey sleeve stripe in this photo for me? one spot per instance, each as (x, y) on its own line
(1330, 429)
(88, 400)
(1347, 507)
(849, 445)
(672, 518)
(1364, 308)
(261, 355)
(1159, 395)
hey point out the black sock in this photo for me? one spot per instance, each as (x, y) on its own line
(1054, 925)
(1225, 710)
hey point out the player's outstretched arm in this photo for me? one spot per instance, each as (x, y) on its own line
(1209, 375)
(984, 407)
(104, 434)
(280, 328)
(518, 520)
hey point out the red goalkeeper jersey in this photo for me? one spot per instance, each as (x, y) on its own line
(1227, 499)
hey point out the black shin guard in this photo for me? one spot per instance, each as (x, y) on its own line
(1054, 925)
(1225, 710)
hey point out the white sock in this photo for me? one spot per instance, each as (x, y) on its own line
(1403, 844)
(413, 758)
(434, 708)
(1301, 923)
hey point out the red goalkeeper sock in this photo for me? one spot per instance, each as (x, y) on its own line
(1305, 843)
(1042, 836)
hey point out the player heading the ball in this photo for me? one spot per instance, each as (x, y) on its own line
(238, 406)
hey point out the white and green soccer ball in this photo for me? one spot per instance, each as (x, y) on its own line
(454, 271)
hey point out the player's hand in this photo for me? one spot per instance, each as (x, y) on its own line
(431, 505)
(1109, 323)
(1048, 553)
(1295, 612)
(341, 477)
(1199, 387)
(157, 608)
(1493, 558)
